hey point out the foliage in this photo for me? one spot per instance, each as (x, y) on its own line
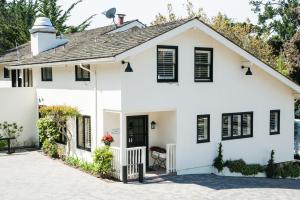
(240, 166)
(58, 17)
(18, 16)
(103, 161)
(245, 35)
(218, 161)
(2, 144)
(107, 139)
(47, 129)
(60, 114)
(290, 169)
(73, 161)
(297, 156)
(272, 170)
(10, 129)
(292, 53)
(280, 18)
(50, 148)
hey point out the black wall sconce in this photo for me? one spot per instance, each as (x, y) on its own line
(248, 72)
(128, 68)
(153, 124)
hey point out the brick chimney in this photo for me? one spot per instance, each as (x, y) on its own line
(121, 19)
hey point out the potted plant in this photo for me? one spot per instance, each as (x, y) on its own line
(107, 139)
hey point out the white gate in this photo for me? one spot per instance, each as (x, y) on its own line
(134, 157)
(171, 158)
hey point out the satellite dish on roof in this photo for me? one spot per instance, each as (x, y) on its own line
(111, 13)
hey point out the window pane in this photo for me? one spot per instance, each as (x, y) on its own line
(246, 124)
(87, 127)
(82, 74)
(202, 64)
(80, 134)
(226, 126)
(47, 74)
(6, 73)
(274, 121)
(236, 125)
(202, 128)
(166, 60)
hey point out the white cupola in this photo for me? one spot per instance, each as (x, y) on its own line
(43, 36)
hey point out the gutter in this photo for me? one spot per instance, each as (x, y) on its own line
(59, 63)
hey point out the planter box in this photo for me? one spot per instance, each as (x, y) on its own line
(226, 172)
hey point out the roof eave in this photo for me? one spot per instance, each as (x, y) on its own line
(60, 63)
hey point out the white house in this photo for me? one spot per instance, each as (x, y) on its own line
(180, 86)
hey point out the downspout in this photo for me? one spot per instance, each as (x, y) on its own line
(96, 99)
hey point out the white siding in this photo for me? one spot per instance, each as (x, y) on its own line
(231, 91)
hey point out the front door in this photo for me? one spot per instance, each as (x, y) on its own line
(137, 132)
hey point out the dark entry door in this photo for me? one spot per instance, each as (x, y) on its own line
(137, 132)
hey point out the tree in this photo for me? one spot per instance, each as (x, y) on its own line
(279, 18)
(18, 16)
(60, 115)
(58, 17)
(292, 53)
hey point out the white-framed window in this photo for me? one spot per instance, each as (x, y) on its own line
(203, 69)
(167, 64)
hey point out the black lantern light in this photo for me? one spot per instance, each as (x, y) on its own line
(128, 68)
(153, 124)
(248, 72)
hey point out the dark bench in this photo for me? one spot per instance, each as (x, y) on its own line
(9, 150)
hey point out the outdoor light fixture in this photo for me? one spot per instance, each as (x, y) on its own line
(153, 124)
(248, 72)
(128, 68)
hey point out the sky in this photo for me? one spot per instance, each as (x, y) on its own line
(145, 10)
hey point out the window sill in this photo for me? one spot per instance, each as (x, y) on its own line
(275, 133)
(203, 141)
(239, 137)
(84, 149)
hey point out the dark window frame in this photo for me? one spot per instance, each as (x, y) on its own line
(6, 73)
(231, 132)
(43, 74)
(208, 128)
(77, 134)
(175, 80)
(211, 68)
(79, 71)
(278, 122)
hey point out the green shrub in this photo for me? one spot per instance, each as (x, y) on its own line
(103, 161)
(240, 166)
(218, 161)
(47, 130)
(73, 161)
(2, 144)
(290, 170)
(50, 148)
(87, 167)
(272, 171)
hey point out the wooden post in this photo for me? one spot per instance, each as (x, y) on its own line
(124, 173)
(141, 172)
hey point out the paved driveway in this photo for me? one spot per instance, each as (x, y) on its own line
(32, 176)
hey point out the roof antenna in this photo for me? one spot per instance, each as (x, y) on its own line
(110, 14)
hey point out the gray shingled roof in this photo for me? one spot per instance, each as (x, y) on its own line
(93, 44)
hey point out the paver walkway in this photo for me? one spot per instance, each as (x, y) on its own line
(32, 176)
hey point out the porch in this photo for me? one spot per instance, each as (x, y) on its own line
(147, 138)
